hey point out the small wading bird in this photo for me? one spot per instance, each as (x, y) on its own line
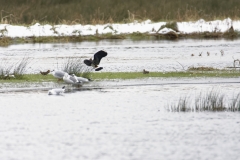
(145, 71)
(56, 91)
(96, 60)
(45, 73)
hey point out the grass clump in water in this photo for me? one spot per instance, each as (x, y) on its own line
(181, 106)
(235, 103)
(213, 101)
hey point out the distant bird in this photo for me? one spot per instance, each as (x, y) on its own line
(71, 79)
(45, 73)
(56, 91)
(58, 74)
(96, 60)
(145, 71)
(222, 52)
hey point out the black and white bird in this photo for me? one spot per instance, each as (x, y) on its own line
(96, 60)
(56, 91)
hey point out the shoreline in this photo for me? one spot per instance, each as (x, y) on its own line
(7, 41)
(112, 76)
(37, 33)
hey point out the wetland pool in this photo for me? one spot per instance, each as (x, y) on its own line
(120, 119)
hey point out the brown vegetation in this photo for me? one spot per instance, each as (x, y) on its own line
(108, 11)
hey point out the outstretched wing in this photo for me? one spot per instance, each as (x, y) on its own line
(99, 68)
(87, 62)
(98, 56)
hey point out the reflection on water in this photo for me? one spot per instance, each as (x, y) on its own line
(125, 122)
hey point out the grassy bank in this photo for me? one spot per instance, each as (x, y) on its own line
(109, 11)
(5, 41)
(129, 75)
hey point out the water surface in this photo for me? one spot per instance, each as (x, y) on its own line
(126, 55)
(120, 120)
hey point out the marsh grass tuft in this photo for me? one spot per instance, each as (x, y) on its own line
(18, 69)
(212, 101)
(75, 65)
(235, 103)
(181, 106)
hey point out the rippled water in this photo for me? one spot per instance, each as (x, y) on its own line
(120, 120)
(126, 55)
(116, 120)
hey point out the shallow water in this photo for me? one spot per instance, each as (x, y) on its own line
(120, 120)
(116, 120)
(126, 55)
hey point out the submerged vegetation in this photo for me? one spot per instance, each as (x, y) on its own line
(212, 100)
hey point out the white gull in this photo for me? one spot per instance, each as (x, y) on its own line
(56, 91)
(71, 79)
(58, 74)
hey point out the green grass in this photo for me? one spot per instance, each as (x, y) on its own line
(129, 75)
(135, 75)
(31, 78)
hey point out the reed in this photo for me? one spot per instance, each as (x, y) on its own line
(182, 105)
(108, 11)
(234, 105)
(211, 101)
(75, 65)
(21, 67)
(5, 68)
(18, 69)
